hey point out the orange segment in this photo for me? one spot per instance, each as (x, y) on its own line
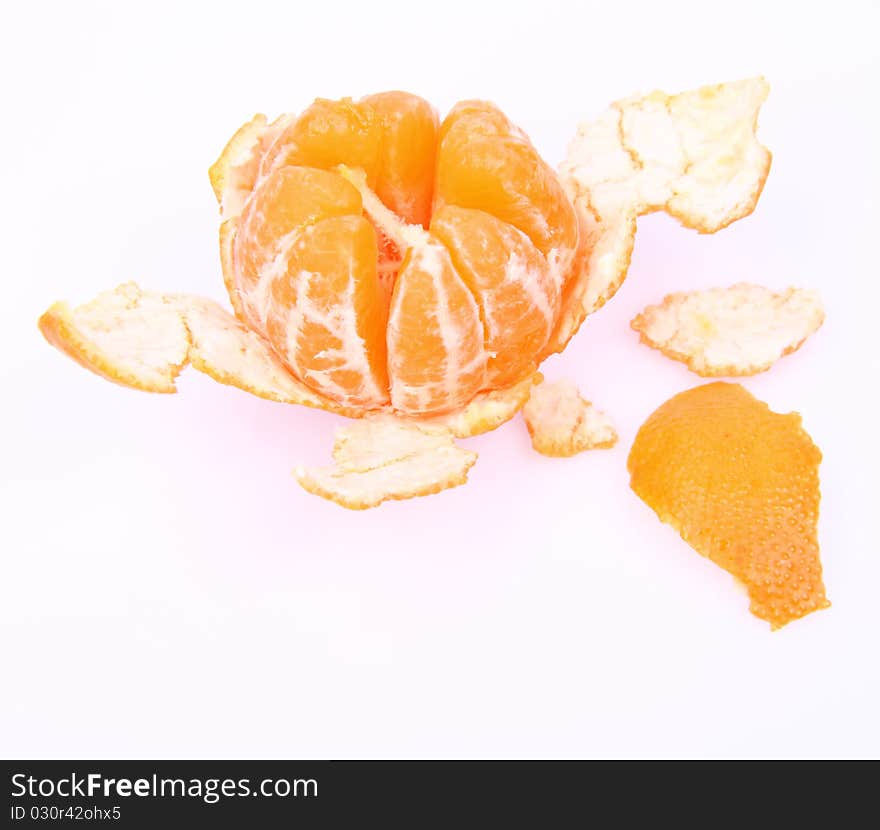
(287, 200)
(482, 118)
(405, 176)
(326, 313)
(329, 133)
(512, 283)
(436, 359)
(487, 163)
(741, 484)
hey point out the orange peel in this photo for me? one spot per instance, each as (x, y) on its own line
(381, 458)
(561, 423)
(740, 330)
(693, 155)
(235, 171)
(740, 483)
(144, 339)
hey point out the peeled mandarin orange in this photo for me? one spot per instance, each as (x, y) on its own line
(741, 484)
(391, 259)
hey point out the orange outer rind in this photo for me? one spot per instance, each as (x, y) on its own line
(740, 483)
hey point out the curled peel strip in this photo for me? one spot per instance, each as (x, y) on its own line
(693, 155)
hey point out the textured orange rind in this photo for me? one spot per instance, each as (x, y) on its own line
(740, 483)
(727, 332)
(561, 423)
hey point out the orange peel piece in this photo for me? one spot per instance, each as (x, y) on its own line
(740, 330)
(127, 336)
(144, 339)
(693, 155)
(234, 172)
(381, 458)
(740, 483)
(561, 423)
(229, 179)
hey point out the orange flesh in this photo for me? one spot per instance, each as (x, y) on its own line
(741, 484)
(435, 338)
(405, 174)
(512, 283)
(328, 310)
(288, 200)
(485, 163)
(373, 315)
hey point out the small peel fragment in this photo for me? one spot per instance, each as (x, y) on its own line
(144, 339)
(740, 483)
(693, 155)
(726, 332)
(381, 458)
(561, 423)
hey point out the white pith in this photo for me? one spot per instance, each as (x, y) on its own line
(740, 330)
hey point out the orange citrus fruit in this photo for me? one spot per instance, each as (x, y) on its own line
(390, 259)
(741, 484)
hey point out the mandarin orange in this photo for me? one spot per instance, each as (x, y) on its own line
(387, 257)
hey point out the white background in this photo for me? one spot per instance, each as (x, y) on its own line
(168, 590)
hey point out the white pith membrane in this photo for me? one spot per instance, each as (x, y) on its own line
(625, 164)
(143, 339)
(381, 457)
(561, 423)
(693, 155)
(740, 330)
